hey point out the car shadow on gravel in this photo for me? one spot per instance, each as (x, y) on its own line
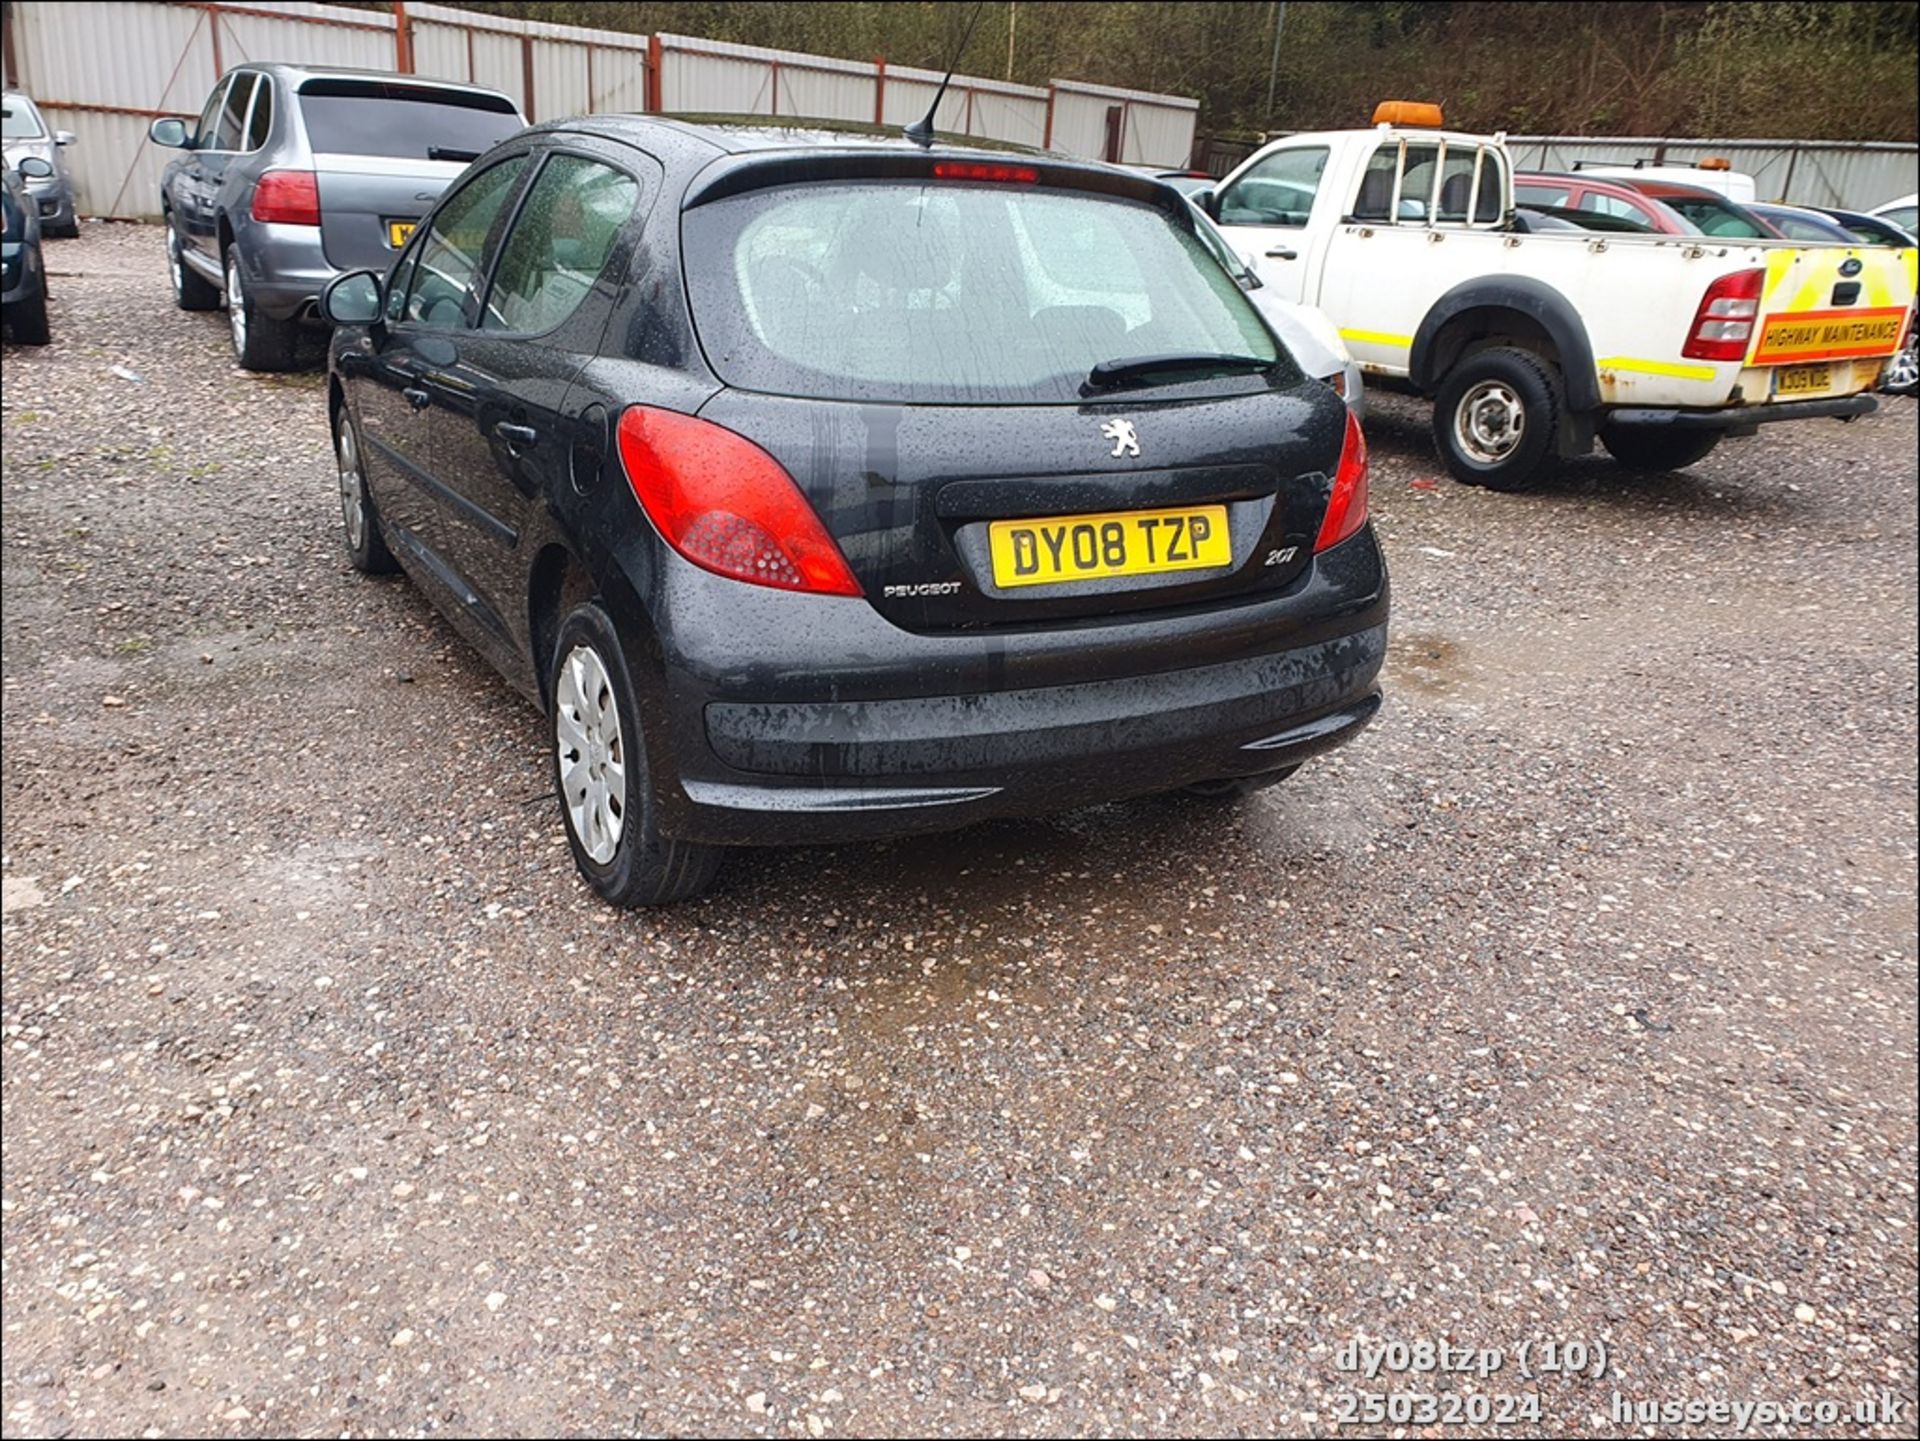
(1400, 429)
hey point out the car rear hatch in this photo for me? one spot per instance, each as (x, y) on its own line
(1016, 392)
(383, 151)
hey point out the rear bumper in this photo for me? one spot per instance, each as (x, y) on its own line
(1746, 417)
(286, 269)
(826, 723)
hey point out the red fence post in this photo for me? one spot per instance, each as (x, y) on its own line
(880, 90)
(1046, 141)
(213, 26)
(655, 54)
(526, 72)
(402, 38)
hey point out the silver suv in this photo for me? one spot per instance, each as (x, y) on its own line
(293, 175)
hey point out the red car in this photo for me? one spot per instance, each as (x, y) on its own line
(1603, 197)
(1667, 207)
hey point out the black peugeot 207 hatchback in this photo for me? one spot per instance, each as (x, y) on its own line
(821, 486)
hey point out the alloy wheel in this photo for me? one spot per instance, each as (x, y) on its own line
(236, 306)
(353, 486)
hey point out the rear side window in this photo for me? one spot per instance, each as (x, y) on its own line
(1603, 204)
(441, 269)
(261, 125)
(233, 115)
(558, 244)
(403, 122)
(957, 294)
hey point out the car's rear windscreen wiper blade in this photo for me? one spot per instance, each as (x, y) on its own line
(448, 152)
(1133, 367)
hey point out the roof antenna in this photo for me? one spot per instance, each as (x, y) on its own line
(921, 131)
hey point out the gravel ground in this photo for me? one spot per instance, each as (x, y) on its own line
(1575, 1002)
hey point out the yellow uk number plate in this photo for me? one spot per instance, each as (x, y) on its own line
(1802, 379)
(1061, 548)
(398, 231)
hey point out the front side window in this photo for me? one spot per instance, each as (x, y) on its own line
(1601, 203)
(210, 118)
(233, 115)
(1278, 190)
(904, 291)
(1556, 195)
(442, 267)
(558, 245)
(21, 121)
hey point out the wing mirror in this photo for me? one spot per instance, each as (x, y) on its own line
(352, 299)
(35, 168)
(1209, 201)
(169, 132)
(63, 137)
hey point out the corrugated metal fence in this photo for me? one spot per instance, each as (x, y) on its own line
(105, 68)
(1857, 175)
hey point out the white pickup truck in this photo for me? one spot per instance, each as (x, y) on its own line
(1535, 342)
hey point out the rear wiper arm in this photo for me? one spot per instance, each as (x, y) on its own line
(447, 152)
(1114, 372)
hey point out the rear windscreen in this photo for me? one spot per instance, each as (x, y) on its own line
(954, 293)
(414, 122)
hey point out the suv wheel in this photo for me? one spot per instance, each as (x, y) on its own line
(600, 772)
(359, 521)
(190, 290)
(259, 341)
(1496, 418)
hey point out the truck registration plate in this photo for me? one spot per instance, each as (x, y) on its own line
(1802, 379)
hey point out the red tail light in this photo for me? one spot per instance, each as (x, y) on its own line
(1723, 325)
(287, 197)
(976, 170)
(1347, 506)
(726, 505)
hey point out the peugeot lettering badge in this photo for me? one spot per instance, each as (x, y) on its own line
(1121, 433)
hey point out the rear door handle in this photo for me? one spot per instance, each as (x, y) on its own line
(516, 437)
(1280, 252)
(416, 397)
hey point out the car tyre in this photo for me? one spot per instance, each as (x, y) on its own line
(259, 341)
(600, 774)
(359, 521)
(1902, 375)
(1657, 448)
(190, 290)
(1233, 788)
(1496, 419)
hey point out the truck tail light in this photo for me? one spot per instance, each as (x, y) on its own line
(1723, 325)
(1347, 506)
(726, 505)
(287, 197)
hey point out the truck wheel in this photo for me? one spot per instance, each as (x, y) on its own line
(1496, 417)
(1653, 447)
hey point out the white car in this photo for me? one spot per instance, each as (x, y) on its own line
(1904, 212)
(1312, 339)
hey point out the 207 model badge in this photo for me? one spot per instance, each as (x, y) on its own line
(1121, 433)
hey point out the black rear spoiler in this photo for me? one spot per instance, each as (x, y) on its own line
(760, 170)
